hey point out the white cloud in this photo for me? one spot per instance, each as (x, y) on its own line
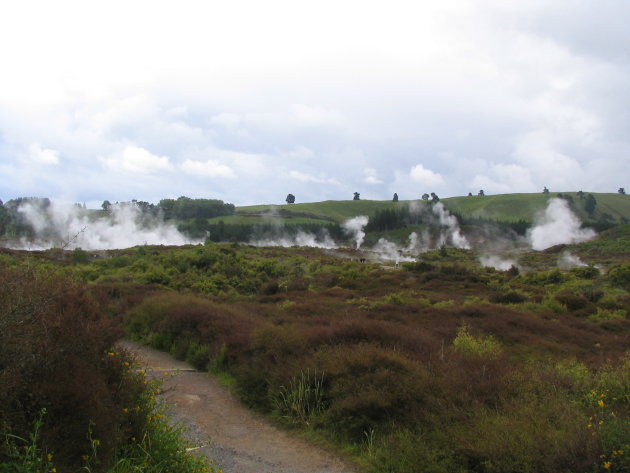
(309, 115)
(425, 176)
(504, 96)
(38, 155)
(504, 179)
(207, 168)
(371, 176)
(305, 177)
(137, 160)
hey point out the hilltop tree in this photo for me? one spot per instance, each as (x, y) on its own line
(395, 198)
(434, 197)
(106, 205)
(590, 204)
(481, 193)
(470, 194)
(290, 199)
(580, 194)
(425, 196)
(357, 196)
(622, 191)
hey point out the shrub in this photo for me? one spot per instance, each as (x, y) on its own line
(367, 387)
(485, 347)
(586, 272)
(56, 354)
(571, 301)
(604, 315)
(510, 297)
(198, 356)
(620, 275)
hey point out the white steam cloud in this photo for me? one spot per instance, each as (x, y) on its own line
(497, 262)
(453, 235)
(72, 227)
(569, 261)
(354, 229)
(299, 239)
(558, 225)
(386, 250)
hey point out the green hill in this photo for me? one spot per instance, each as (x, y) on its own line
(614, 208)
(611, 208)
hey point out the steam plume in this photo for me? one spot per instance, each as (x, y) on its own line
(68, 226)
(354, 229)
(569, 261)
(453, 234)
(558, 225)
(299, 239)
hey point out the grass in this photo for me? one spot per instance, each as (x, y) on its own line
(503, 207)
(514, 207)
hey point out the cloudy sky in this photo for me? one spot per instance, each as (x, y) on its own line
(247, 101)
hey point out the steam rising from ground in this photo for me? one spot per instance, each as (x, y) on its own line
(354, 229)
(71, 227)
(497, 262)
(299, 239)
(452, 235)
(558, 225)
(569, 261)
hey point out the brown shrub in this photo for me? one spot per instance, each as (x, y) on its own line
(367, 386)
(54, 355)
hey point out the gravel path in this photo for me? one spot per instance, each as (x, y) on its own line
(238, 440)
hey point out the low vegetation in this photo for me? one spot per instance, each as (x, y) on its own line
(71, 401)
(439, 365)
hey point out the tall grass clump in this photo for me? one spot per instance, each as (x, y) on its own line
(303, 398)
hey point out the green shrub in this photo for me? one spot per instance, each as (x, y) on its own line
(586, 272)
(198, 355)
(408, 451)
(620, 275)
(485, 347)
(604, 315)
(510, 297)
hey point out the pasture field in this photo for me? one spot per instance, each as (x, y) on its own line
(500, 208)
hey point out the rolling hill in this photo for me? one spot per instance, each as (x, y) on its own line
(612, 208)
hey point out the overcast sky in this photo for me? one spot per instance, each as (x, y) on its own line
(247, 101)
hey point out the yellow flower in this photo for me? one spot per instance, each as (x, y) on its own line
(607, 465)
(50, 457)
(126, 363)
(85, 457)
(54, 470)
(96, 442)
(601, 403)
(125, 410)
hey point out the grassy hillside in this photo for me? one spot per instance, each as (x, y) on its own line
(513, 207)
(503, 207)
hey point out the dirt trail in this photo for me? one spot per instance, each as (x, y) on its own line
(238, 440)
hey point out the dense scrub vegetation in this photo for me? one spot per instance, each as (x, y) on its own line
(71, 401)
(440, 365)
